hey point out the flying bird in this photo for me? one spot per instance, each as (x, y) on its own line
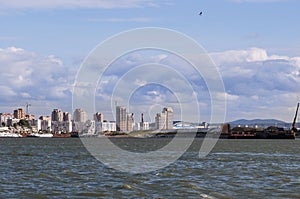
(201, 13)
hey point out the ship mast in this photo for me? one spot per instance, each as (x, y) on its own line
(294, 129)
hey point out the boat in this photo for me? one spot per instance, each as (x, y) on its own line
(40, 135)
(61, 135)
(9, 135)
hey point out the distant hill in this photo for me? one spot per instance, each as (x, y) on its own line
(268, 122)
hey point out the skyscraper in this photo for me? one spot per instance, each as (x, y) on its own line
(121, 118)
(19, 114)
(57, 115)
(164, 120)
(98, 117)
(66, 117)
(169, 117)
(129, 121)
(80, 115)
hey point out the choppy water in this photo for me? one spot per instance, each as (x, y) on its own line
(62, 168)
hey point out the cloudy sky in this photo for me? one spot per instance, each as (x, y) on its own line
(255, 45)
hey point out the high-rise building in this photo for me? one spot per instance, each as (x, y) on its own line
(129, 121)
(66, 117)
(4, 117)
(121, 116)
(164, 120)
(143, 125)
(169, 117)
(160, 121)
(98, 117)
(80, 115)
(57, 115)
(19, 114)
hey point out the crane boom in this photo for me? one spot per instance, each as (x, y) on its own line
(295, 118)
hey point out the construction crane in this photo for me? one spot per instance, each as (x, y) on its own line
(294, 129)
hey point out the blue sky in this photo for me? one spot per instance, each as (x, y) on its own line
(255, 44)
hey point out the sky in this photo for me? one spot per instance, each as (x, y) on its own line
(254, 44)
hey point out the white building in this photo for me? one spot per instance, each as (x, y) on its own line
(106, 127)
(80, 115)
(44, 124)
(164, 120)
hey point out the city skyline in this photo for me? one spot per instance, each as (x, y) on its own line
(254, 44)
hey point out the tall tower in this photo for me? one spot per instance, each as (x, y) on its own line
(169, 117)
(98, 117)
(80, 115)
(57, 115)
(66, 116)
(164, 120)
(19, 113)
(121, 118)
(130, 121)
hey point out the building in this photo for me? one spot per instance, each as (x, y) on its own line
(11, 122)
(164, 120)
(4, 117)
(98, 117)
(44, 123)
(61, 127)
(143, 125)
(19, 114)
(121, 118)
(66, 117)
(80, 115)
(102, 127)
(129, 121)
(169, 117)
(57, 115)
(160, 121)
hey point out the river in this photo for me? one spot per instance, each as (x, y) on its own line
(63, 168)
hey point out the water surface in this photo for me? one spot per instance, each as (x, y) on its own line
(63, 168)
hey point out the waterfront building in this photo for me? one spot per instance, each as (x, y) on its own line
(164, 120)
(66, 117)
(57, 115)
(143, 125)
(19, 113)
(4, 117)
(121, 117)
(61, 127)
(44, 123)
(160, 121)
(12, 121)
(169, 117)
(102, 127)
(129, 122)
(80, 115)
(30, 117)
(98, 117)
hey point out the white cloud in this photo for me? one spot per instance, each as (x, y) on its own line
(37, 4)
(28, 76)
(259, 82)
(249, 55)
